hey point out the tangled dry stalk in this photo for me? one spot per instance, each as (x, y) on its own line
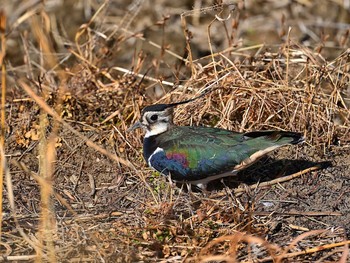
(76, 187)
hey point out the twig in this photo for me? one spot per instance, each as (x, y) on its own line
(79, 175)
(309, 250)
(3, 109)
(240, 191)
(18, 258)
(302, 213)
(92, 184)
(167, 83)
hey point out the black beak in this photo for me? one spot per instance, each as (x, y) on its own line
(136, 125)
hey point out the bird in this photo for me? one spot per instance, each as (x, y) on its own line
(197, 155)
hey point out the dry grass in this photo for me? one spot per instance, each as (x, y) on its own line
(76, 186)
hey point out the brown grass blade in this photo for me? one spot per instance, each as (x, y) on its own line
(3, 106)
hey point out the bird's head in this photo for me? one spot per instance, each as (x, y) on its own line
(158, 118)
(155, 119)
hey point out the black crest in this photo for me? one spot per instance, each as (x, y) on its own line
(156, 107)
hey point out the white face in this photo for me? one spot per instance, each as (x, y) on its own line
(156, 122)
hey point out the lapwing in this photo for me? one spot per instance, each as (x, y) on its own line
(198, 155)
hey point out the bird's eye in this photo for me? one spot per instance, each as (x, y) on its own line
(154, 117)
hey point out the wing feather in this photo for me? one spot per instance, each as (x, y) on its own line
(194, 153)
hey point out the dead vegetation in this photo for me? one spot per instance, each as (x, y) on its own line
(75, 187)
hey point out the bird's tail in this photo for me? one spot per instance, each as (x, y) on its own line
(280, 137)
